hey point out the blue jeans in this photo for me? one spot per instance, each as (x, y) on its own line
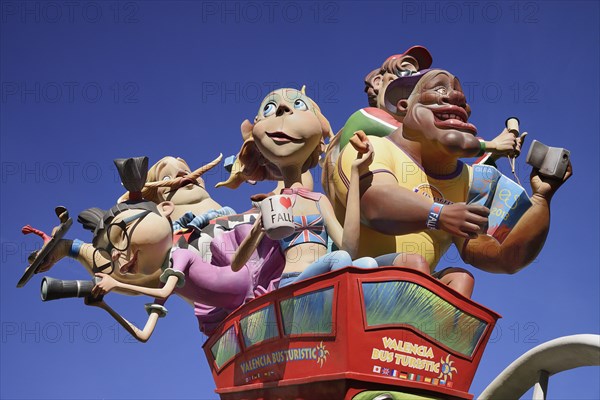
(329, 262)
(386, 260)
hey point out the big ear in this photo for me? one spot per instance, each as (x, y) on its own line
(402, 107)
(376, 82)
(166, 208)
(246, 128)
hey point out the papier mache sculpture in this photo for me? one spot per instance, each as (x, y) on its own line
(287, 139)
(397, 197)
(384, 88)
(383, 116)
(197, 218)
(132, 252)
(417, 167)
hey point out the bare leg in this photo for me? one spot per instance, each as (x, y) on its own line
(458, 279)
(414, 261)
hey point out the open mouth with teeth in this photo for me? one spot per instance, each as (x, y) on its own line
(453, 117)
(129, 267)
(282, 137)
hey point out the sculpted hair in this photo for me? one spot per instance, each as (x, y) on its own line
(133, 172)
(392, 65)
(328, 176)
(153, 181)
(90, 218)
(151, 193)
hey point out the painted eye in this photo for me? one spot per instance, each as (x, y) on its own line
(300, 105)
(269, 109)
(166, 178)
(441, 90)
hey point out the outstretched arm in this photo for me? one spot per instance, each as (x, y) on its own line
(61, 251)
(527, 238)
(140, 334)
(85, 255)
(108, 283)
(248, 245)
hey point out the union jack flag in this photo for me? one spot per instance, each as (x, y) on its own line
(385, 371)
(308, 229)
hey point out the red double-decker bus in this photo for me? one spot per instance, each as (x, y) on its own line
(354, 333)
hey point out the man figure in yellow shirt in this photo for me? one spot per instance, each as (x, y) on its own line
(413, 198)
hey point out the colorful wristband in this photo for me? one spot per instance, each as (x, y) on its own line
(481, 148)
(75, 247)
(434, 215)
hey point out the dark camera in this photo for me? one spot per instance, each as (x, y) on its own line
(53, 289)
(551, 161)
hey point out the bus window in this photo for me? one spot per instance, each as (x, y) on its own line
(259, 326)
(308, 313)
(406, 303)
(225, 348)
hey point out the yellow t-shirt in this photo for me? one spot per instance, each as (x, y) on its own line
(389, 158)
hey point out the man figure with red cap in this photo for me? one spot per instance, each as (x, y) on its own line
(413, 200)
(385, 88)
(383, 117)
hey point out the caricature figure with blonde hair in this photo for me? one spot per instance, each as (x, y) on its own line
(197, 217)
(286, 140)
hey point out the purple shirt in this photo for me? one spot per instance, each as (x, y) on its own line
(214, 284)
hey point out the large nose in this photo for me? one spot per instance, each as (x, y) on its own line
(456, 97)
(283, 109)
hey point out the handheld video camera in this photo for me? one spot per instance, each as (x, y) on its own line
(53, 289)
(551, 161)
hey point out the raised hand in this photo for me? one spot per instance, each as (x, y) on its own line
(60, 251)
(506, 144)
(546, 187)
(363, 146)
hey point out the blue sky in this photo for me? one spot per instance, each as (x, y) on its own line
(84, 83)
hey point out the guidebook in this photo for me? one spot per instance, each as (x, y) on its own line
(506, 200)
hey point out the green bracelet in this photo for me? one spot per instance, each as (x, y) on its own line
(481, 148)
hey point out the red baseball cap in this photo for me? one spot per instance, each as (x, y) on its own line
(420, 53)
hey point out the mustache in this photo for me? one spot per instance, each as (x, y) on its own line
(192, 177)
